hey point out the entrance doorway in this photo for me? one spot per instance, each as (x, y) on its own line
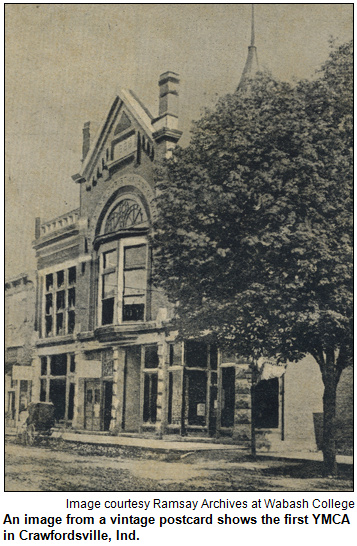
(57, 396)
(92, 405)
(98, 404)
(199, 388)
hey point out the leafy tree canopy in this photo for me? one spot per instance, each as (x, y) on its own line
(253, 236)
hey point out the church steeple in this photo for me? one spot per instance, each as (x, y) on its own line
(251, 64)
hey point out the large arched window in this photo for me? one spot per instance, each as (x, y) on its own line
(127, 213)
(124, 264)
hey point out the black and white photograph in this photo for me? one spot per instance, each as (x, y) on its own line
(178, 248)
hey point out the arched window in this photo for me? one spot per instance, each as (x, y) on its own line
(127, 213)
(123, 263)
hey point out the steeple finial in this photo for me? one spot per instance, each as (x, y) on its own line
(251, 65)
(252, 32)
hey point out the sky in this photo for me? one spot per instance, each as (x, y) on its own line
(65, 62)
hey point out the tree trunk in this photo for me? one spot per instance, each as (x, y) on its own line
(329, 407)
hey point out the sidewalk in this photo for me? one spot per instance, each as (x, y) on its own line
(186, 446)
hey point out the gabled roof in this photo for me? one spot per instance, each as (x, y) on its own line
(127, 99)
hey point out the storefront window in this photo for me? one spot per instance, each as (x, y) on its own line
(57, 384)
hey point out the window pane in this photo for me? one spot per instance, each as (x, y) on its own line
(59, 364)
(151, 356)
(60, 279)
(133, 312)
(72, 275)
(109, 285)
(71, 321)
(108, 311)
(135, 257)
(72, 367)
(134, 282)
(59, 324)
(175, 354)
(48, 304)
(266, 404)
(110, 259)
(60, 300)
(43, 390)
(43, 365)
(48, 325)
(72, 297)
(196, 354)
(49, 281)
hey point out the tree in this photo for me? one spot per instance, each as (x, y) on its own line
(253, 235)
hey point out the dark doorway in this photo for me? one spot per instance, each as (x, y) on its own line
(58, 397)
(266, 404)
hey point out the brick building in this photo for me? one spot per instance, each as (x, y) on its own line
(101, 348)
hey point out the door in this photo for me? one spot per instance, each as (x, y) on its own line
(92, 405)
(57, 396)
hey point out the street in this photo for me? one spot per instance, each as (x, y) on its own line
(69, 467)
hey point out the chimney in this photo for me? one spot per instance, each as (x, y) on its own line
(86, 140)
(169, 83)
(165, 126)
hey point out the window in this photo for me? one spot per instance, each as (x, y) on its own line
(109, 285)
(59, 302)
(127, 213)
(57, 384)
(192, 385)
(200, 383)
(123, 281)
(266, 404)
(134, 282)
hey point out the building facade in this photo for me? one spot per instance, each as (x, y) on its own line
(105, 354)
(97, 341)
(20, 302)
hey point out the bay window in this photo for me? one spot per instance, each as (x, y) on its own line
(123, 281)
